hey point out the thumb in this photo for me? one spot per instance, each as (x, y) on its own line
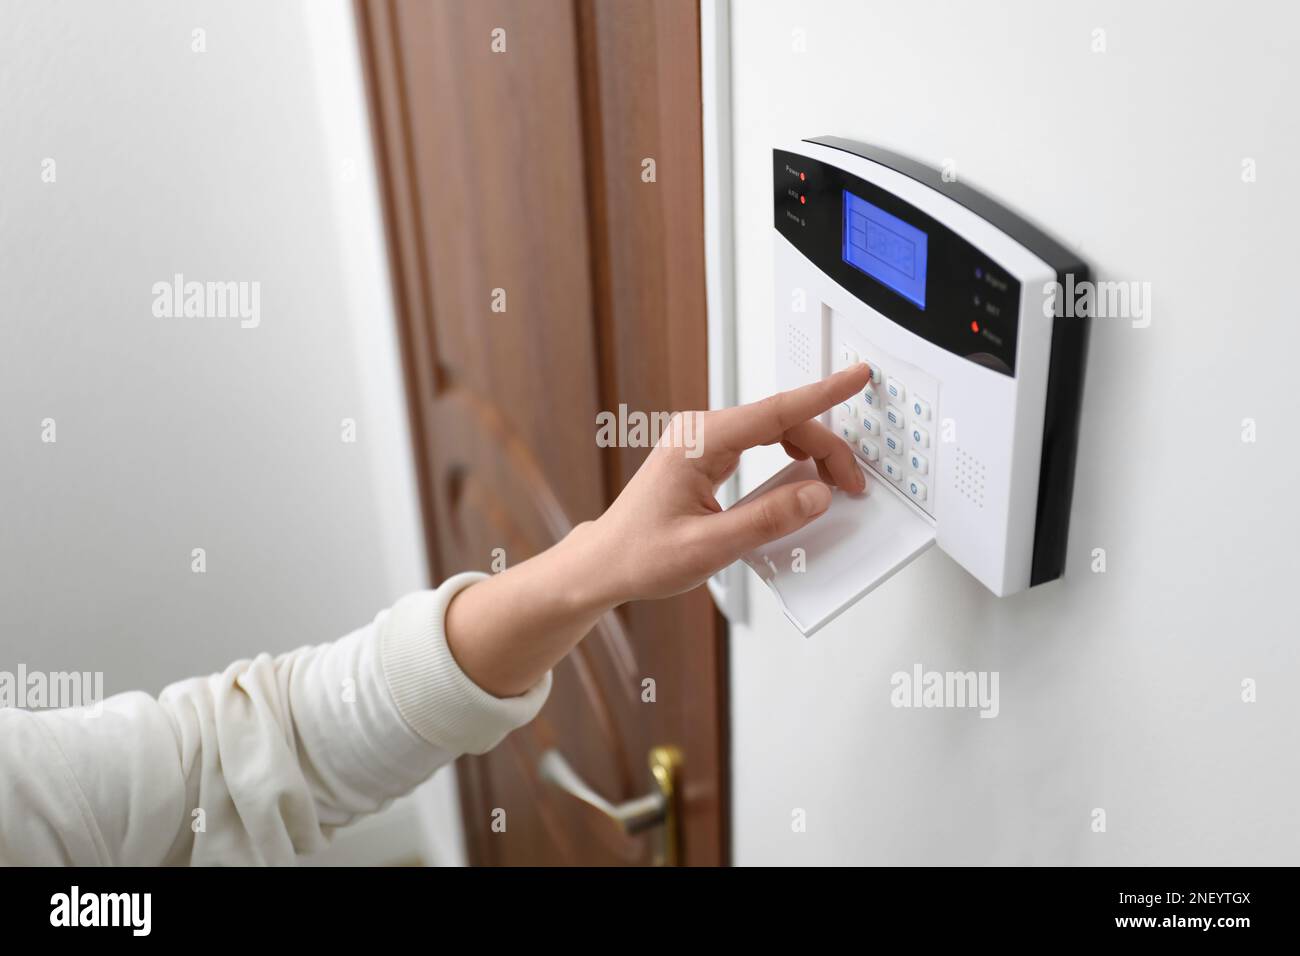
(769, 516)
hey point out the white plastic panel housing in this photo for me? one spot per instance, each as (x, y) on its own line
(980, 428)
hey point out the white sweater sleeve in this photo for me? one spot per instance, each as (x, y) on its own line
(254, 764)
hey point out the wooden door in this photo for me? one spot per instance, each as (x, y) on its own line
(546, 271)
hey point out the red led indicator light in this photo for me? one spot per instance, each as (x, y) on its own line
(802, 177)
(974, 326)
(802, 200)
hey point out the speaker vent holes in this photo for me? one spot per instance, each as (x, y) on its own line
(797, 348)
(969, 477)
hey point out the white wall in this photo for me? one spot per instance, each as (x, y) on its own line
(249, 162)
(1119, 690)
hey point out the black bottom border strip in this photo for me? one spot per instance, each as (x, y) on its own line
(334, 905)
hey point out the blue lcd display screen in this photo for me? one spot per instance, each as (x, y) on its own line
(885, 248)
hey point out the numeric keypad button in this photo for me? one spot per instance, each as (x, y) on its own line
(916, 488)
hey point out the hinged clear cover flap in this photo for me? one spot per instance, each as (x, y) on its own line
(846, 553)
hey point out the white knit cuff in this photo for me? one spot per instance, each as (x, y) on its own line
(435, 697)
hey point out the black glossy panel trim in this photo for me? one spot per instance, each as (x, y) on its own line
(972, 303)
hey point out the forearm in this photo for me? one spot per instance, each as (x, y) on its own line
(506, 632)
(257, 763)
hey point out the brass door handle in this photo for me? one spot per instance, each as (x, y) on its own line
(656, 809)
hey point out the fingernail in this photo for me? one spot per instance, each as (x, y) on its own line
(814, 499)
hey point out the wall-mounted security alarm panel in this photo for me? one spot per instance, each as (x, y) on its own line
(968, 428)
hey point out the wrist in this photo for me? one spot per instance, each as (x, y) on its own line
(591, 569)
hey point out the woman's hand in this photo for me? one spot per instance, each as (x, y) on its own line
(664, 534)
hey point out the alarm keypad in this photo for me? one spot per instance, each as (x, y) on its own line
(890, 411)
